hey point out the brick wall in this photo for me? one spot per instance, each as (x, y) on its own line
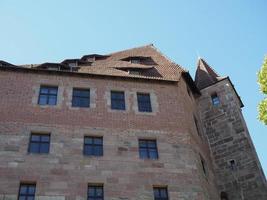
(65, 172)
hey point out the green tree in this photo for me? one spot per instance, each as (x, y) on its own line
(262, 80)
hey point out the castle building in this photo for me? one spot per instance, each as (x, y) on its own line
(130, 125)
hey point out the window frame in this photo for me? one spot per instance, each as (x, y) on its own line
(39, 142)
(95, 187)
(27, 194)
(93, 145)
(160, 190)
(141, 103)
(115, 101)
(148, 149)
(81, 97)
(48, 95)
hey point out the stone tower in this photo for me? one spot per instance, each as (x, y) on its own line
(237, 169)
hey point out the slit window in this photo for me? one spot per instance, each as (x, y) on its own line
(93, 146)
(215, 99)
(160, 193)
(204, 166)
(232, 165)
(81, 97)
(196, 125)
(144, 102)
(148, 149)
(27, 191)
(117, 100)
(39, 143)
(48, 95)
(95, 192)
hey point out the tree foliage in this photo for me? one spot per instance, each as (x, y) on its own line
(262, 80)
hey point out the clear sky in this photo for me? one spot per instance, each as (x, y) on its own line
(231, 35)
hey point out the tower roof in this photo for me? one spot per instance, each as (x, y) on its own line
(205, 75)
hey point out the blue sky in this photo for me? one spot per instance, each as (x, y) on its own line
(230, 35)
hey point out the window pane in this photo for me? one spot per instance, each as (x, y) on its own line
(44, 148)
(42, 100)
(142, 143)
(153, 154)
(31, 190)
(163, 193)
(80, 102)
(143, 153)
(99, 192)
(98, 140)
(35, 138)
(81, 93)
(30, 198)
(118, 105)
(52, 100)
(91, 192)
(44, 90)
(152, 144)
(45, 138)
(22, 198)
(53, 90)
(117, 95)
(34, 148)
(23, 190)
(98, 150)
(156, 193)
(88, 150)
(88, 140)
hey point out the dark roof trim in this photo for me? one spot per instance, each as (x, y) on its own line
(190, 82)
(68, 73)
(93, 55)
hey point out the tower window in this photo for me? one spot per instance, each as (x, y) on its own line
(27, 191)
(215, 99)
(204, 165)
(144, 103)
(39, 143)
(148, 149)
(117, 100)
(232, 165)
(48, 95)
(95, 192)
(160, 193)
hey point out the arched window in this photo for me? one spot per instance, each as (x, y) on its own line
(224, 196)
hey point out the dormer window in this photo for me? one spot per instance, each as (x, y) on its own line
(135, 60)
(134, 72)
(73, 64)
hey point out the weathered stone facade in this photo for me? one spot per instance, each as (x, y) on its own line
(64, 173)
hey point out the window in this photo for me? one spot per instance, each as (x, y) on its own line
(224, 196)
(144, 104)
(48, 95)
(215, 99)
(148, 149)
(117, 100)
(134, 71)
(135, 60)
(95, 192)
(26, 191)
(93, 146)
(232, 165)
(160, 193)
(204, 166)
(39, 143)
(80, 97)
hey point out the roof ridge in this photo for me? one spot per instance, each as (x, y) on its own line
(115, 52)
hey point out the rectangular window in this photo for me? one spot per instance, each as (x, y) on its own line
(39, 143)
(144, 103)
(80, 97)
(148, 149)
(48, 95)
(160, 193)
(95, 192)
(215, 99)
(117, 100)
(93, 146)
(27, 191)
